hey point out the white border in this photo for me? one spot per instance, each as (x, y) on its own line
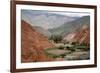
(20, 65)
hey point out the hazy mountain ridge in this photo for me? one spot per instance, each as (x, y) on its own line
(46, 19)
(73, 26)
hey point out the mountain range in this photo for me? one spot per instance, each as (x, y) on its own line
(72, 26)
(45, 19)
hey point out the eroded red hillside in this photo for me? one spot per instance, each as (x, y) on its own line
(80, 36)
(33, 44)
(83, 35)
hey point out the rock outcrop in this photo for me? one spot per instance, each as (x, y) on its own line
(80, 36)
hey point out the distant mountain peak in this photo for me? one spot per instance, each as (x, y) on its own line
(45, 19)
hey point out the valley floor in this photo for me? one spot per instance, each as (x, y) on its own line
(68, 52)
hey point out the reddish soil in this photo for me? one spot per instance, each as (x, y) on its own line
(33, 44)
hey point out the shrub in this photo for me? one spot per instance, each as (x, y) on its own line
(83, 44)
(54, 56)
(72, 49)
(74, 43)
(61, 47)
(67, 47)
(63, 55)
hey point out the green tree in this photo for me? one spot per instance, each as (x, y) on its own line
(56, 38)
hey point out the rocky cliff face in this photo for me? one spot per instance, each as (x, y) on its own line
(80, 36)
(83, 36)
(33, 44)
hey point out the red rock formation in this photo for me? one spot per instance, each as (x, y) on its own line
(33, 44)
(81, 36)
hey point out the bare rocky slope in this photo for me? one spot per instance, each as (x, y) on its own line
(33, 44)
(80, 36)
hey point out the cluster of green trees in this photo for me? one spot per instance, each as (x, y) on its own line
(82, 44)
(56, 38)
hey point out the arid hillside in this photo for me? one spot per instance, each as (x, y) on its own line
(83, 36)
(80, 36)
(33, 44)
